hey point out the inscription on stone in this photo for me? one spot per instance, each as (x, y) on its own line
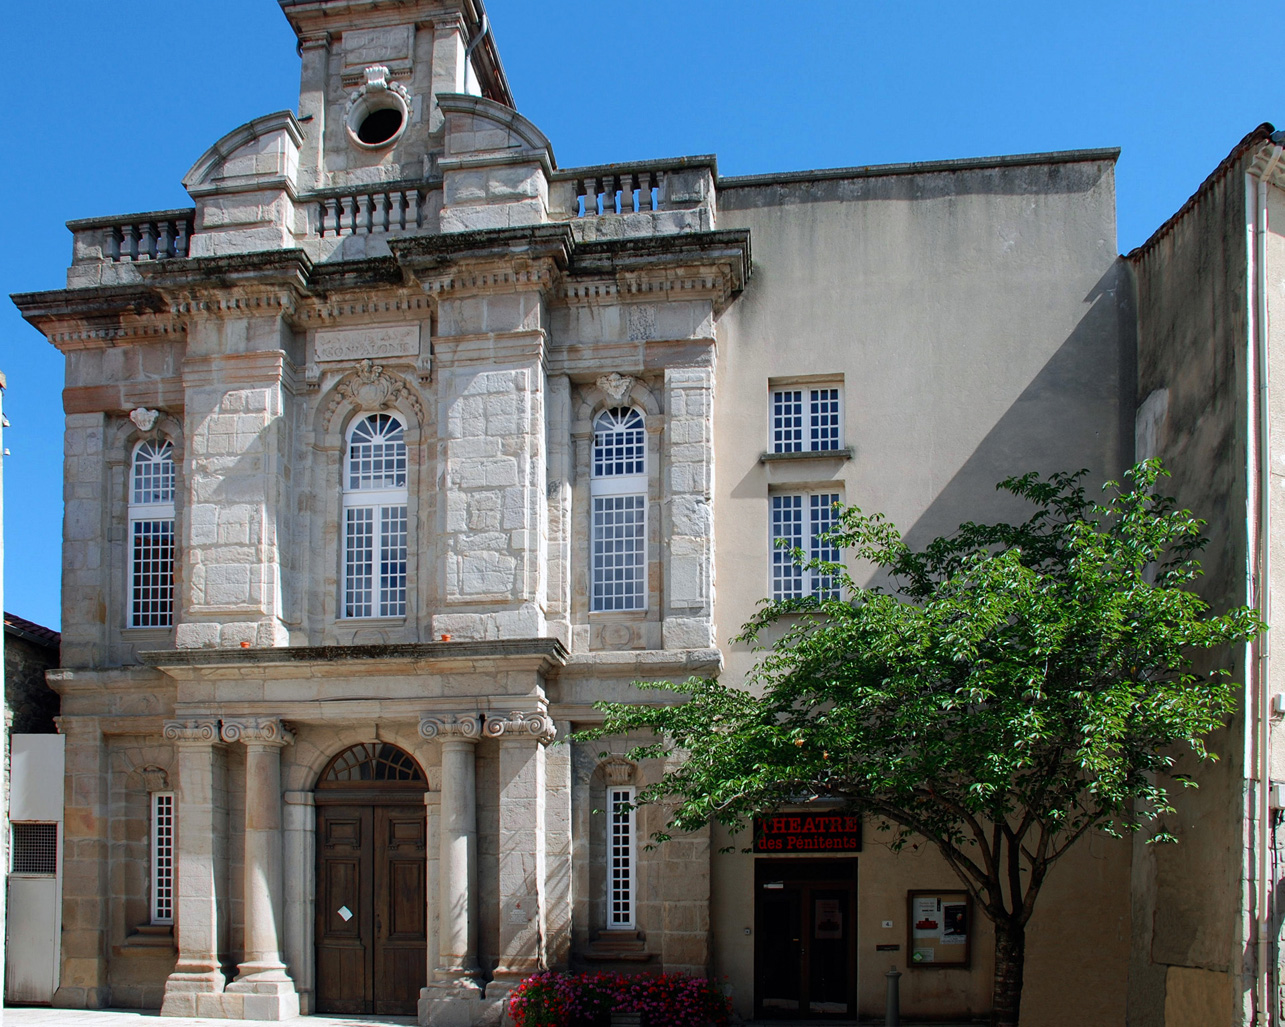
(374, 343)
(377, 46)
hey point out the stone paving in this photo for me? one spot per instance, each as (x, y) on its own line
(41, 1016)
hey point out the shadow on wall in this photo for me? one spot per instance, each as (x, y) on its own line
(1077, 412)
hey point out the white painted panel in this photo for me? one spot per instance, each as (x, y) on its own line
(36, 777)
(31, 952)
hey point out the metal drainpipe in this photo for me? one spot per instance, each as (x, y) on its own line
(482, 31)
(1266, 1000)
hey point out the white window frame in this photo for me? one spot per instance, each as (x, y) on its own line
(163, 857)
(781, 435)
(381, 502)
(617, 796)
(817, 514)
(155, 508)
(631, 484)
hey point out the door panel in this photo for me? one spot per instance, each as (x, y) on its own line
(371, 908)
(345, 918)
(400, 909)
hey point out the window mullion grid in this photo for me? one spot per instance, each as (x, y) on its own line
(621, 859)
(151, 566)
(162, 857)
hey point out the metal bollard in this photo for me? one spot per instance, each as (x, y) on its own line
(892, 1011)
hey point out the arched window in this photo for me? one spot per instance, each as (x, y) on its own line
(371, 762)
(618, 489)
(151, 535)
(374, 499)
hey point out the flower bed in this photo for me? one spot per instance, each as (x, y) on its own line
(587, 1000)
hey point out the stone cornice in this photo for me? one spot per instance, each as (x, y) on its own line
(546, 652)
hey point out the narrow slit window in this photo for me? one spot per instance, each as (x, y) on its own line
(162, 857)
(621, 856)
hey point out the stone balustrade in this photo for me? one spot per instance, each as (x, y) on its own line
(133, 237)
(635, 188)
(385, 208)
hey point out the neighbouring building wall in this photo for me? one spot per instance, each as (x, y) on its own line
(30, 705)
(977, 322)
(1191, 960)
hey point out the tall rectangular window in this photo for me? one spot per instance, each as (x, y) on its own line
(162, 857)
(375, 502)
(806, 420)
(798, 519)
(620, 857)
(151, 536)
(618, 531)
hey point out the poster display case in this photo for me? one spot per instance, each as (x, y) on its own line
(939, 929)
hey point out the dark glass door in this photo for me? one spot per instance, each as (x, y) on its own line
(805, 956)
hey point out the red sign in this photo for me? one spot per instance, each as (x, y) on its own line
(788, 833)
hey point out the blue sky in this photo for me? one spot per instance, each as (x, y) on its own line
(110, 104)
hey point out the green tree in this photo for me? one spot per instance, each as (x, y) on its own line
(999, 693)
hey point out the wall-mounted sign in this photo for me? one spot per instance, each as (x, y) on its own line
(940, 927)
(816, 832)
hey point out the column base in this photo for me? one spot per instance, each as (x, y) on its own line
(184, 990)
(444, 1006)
(256, 997)
(504, 980)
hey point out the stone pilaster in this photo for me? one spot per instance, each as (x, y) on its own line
(557, 905)
(523, 737)
(457, 972)
(196, 921)
(299, 931)
(315, 52)
(236, 456)
(561, 476)
(84, 554)
(83, 982)
(689, 488)
(262, 984)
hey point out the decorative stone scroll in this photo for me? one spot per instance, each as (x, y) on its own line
(535, 725)
(257, 731)
(144, 419)
(199, 731)
(378, 342)
(451, 725)
(616, 386)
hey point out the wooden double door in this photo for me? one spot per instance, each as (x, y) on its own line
(371, 907)
(805, 956)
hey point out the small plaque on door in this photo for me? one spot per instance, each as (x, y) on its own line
(345, 914)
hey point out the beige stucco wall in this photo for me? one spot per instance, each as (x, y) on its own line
(979, 320)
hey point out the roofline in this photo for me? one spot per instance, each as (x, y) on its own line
(1111, 153)
(1263, 133)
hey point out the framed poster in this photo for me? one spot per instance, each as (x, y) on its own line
(939, 926)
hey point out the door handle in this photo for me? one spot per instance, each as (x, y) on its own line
(379, 926)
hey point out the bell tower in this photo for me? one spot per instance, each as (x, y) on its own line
(371, 75)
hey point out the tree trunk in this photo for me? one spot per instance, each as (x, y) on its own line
(1010, 961)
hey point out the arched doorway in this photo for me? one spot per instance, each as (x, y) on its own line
(371, 882)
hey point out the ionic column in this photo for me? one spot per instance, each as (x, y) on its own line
(261, 975)
(458, 970)
(196, 927)
(523, 737)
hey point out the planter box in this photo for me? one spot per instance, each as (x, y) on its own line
(627, 1020)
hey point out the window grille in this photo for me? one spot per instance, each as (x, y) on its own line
(375, 520)
(798, 519)
(162, 857)
(618, 558)
(151, 534)
(818, 431)
(34, 849)
(620, 857)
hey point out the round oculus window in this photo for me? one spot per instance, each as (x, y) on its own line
(378, 112)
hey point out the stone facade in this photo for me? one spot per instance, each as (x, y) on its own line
(405, 256)
(30, 705)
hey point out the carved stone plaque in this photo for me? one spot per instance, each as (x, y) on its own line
(391, 46)
(377, 342)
